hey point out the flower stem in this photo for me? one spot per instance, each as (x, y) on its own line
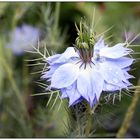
(57, 14)
(84, 121)
(89, 125)
(129, 115)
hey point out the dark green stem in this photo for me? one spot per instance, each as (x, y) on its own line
(57, 14)
(129, 114)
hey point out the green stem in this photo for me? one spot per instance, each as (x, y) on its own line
(57, 14)
(84, 122)
(78, 122)
(88, 125)
(129, 115)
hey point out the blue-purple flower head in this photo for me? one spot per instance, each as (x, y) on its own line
(83, 73)
(21, 38)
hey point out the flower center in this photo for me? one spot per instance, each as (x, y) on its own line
(85, 55)
(85, 42)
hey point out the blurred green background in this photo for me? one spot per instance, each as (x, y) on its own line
(22, 115)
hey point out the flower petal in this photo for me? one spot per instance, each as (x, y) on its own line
(121, 62)
(63, 93)
(97, 83)
(49, 73)
(73, 94)
(112, 74)
(92, 103)
(64, 76)
(90, 85)
(116, 51)
(84, 84)
(76, 102)
(53, 58)
(69, 53)
(110, 87)
(99, 45)
(127, 75)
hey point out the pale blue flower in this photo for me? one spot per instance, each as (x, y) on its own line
(86, 77)
(21, 38)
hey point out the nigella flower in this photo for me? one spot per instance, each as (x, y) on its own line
(22, 38)
(85, 72)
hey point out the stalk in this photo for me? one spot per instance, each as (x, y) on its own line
(129, 114)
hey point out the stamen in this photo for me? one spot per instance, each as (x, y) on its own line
(90, 64)
(85, 65)
(78, 62)
(81, 65)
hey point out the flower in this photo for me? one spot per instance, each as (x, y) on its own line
(82, 74)
(22, 38)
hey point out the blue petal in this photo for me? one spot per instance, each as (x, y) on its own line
(112, 74)
(127, 83)
(53, 58)
(97, 83)
(90, 85)
(127, 75)
(84, 85)
(121, 62)
(63, 93)
(77, 101)
(69, 53)
(64, 76)
(99, 45)
(49, 73)
(110, 87)
(127, 68)
(115, 52)
(44, 76)
(73, 94)
(92, 103)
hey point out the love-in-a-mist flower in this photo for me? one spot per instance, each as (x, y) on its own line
(90, 68)
(21, 38)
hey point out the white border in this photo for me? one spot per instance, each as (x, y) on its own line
(69, 1)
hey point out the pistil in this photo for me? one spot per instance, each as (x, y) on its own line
(85, 43)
